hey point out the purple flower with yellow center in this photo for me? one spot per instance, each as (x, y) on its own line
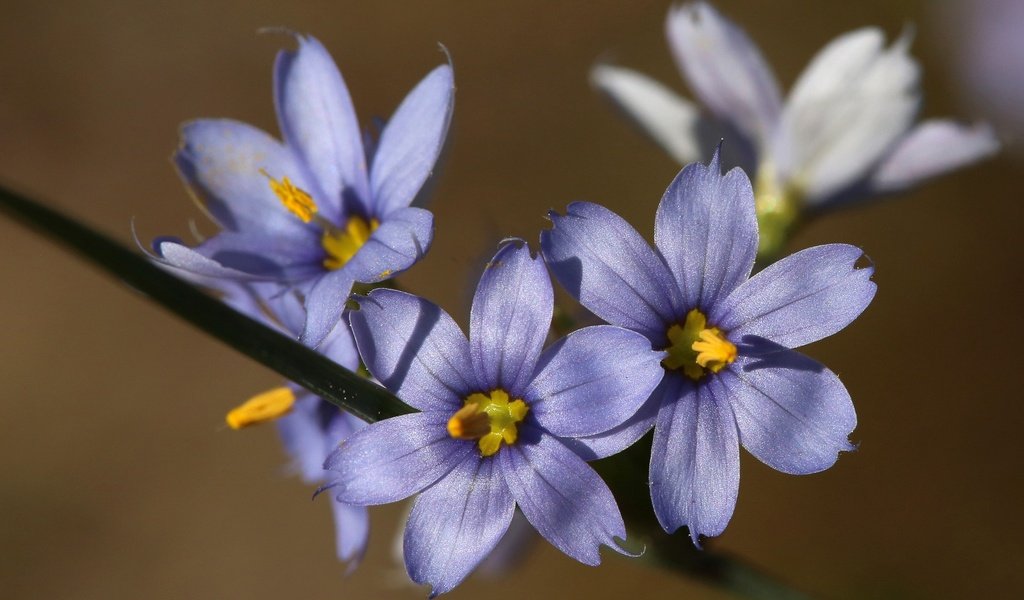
(497, 414)
(731, 377)
(319, 211)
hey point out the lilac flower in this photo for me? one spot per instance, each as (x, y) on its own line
(496, 416)
(731, 377)
(846, 131)
(318, 211)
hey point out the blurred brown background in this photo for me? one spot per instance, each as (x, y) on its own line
(117, 478)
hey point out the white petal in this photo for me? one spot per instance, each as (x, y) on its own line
(931, 149)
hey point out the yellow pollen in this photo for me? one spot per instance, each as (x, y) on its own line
(296, 200)
(489, 418)
(342, 244)
(261, 408)
(696, 348)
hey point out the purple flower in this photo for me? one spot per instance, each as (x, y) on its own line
(497, 413)
(318, 211)
(731, 377)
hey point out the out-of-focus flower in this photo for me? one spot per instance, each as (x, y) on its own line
(730, 377)
(497, 413)
(318, 211)
(845, 132)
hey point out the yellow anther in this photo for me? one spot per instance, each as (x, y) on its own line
(296, 200)
(489, 418)
(261, 408)
(695, 348)
(342, 244)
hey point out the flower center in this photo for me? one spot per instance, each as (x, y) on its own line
(777, 208)
(696, 348)
(489, 418)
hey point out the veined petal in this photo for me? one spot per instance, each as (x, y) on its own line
(325, 304)
(592, 380)
(707, 231)
(351, 532)
(190, 263)
(793, 414)
(401, 240)
(456, 523)
(303, 432)
(847, 109)
(562, 497)
(415, 349)
(285, 259)
(411, 142)
(695, 460)
(724, 69)
(933, 148)
(800, 299)
(666, 118)
(605, 264)
(340, 347)
(510, 318)
(318, 121)
(393, 459)
(616, 440)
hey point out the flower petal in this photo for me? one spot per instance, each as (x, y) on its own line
(288, 259)
(351, 532)
(411, 142)
(619, 438)
(605, 264)
(851, 104)
(933, 148)
(707, 231)
(592, 380)
(415, 349)
(325, 305)
(562, 496)
(793, 414)
(319, 123)
(800, 299)
(510, 318)
(393, 459)
(695, 460)
(724, 69)
(456, 523)
(402, 239)
(189, 262)
(303, 432)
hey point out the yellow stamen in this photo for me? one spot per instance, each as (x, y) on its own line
(696, 348)
(261, 408)
(296, 200)
(342, 244)
(490, 419)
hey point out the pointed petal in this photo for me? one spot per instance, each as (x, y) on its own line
(800, 299)
(325, 304)
(933, 148)
(340, 347)
(562, 497)
(707, 231)
(319, 123)
(285, 259)
(695, 460)
(304, 436)
(402, 239)
(724, 69)
(793, 414)
(191, 263)
(393, 459)
(411, 142)
(605, 264)
(848, 108)
(619, 438)
(592, 380)
(415, 349)
(456, 523)
(510, 318)
(351, 532)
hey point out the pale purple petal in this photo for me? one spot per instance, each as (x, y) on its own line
(724, 69)
(513, 549)
(325, 304)
(411, 142)
(562, 496)
(800, 299)
(510, 318)
(351, 532)
(793, 414)
(707, 231)
(592, 380)
(187, 262)
(284, 259)
(303, 434)
(695, 460)
(393, 459)
(402, 239)
(933, 148)
(319, 123)
(340, 347)
(415, 349)
(456, 523)
(605, 264)
(618, 439)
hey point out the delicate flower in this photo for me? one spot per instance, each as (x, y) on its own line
(318, 211)
(730, 375)
(496, 416)
(846, 131)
